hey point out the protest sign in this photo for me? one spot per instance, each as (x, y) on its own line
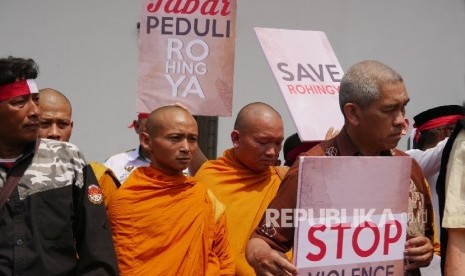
(186, 55)
(308, 74)
(351, 216)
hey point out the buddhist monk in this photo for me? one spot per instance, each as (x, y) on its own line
(245, 178)
(164, 222)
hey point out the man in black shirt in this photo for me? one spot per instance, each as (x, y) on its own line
(52, 218)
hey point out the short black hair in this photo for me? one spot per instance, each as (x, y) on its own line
(14, 68)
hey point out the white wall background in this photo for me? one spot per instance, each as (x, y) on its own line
(88, 49)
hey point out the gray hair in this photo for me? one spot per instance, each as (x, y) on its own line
(361, 83)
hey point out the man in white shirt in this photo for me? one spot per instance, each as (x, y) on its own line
(432, 128)
(123, 163)
(451, 191)
(430, 134)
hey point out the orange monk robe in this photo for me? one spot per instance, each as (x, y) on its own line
(168, 225)
(246, 195)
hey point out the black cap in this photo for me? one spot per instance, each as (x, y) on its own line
(437, 112)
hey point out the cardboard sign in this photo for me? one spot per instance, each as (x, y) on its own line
(352, 215)
(308, 74)
(186, 55)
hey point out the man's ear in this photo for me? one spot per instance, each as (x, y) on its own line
(144, 140)
(235, 138)
(352, 113)
(136, 125)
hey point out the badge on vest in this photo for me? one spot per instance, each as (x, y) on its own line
(95, 194)
(129, 168)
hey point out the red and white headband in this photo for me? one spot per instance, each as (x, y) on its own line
(16, 89)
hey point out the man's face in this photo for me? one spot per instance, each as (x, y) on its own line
(55, 122)
(447, 130)
(19, 119)
(381, 124)
(172, 147)
(259, 145)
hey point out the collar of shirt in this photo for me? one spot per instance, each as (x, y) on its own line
(136, 154)
(30, 149)
(140, 155)
(347, 148)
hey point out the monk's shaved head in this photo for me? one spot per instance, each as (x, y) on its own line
(170, 138)
(157, 120)
(50, 97)
(257, 136)
(249, 113)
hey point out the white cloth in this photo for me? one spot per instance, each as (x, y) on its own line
(122, 164)
(430, 162)
(454, 208)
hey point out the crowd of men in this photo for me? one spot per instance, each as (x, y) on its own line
(164, 209)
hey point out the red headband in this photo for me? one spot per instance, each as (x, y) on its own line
(141, 115)
(434, 123)
(16, 89)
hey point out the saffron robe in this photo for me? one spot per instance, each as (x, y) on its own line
(168, 225)
(246, 195)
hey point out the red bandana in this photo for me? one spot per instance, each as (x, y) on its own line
(141, 115)
(16, 89)
(434, 123)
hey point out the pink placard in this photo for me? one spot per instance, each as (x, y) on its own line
(186, 55)
(352, 215)
(308, 74)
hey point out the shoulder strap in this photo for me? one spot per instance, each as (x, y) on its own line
(13, 179)
(15, 175)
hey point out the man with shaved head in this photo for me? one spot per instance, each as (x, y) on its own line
(245, 178)
(55, 120)
(164, 222)
(56, 123)
(122, 164)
